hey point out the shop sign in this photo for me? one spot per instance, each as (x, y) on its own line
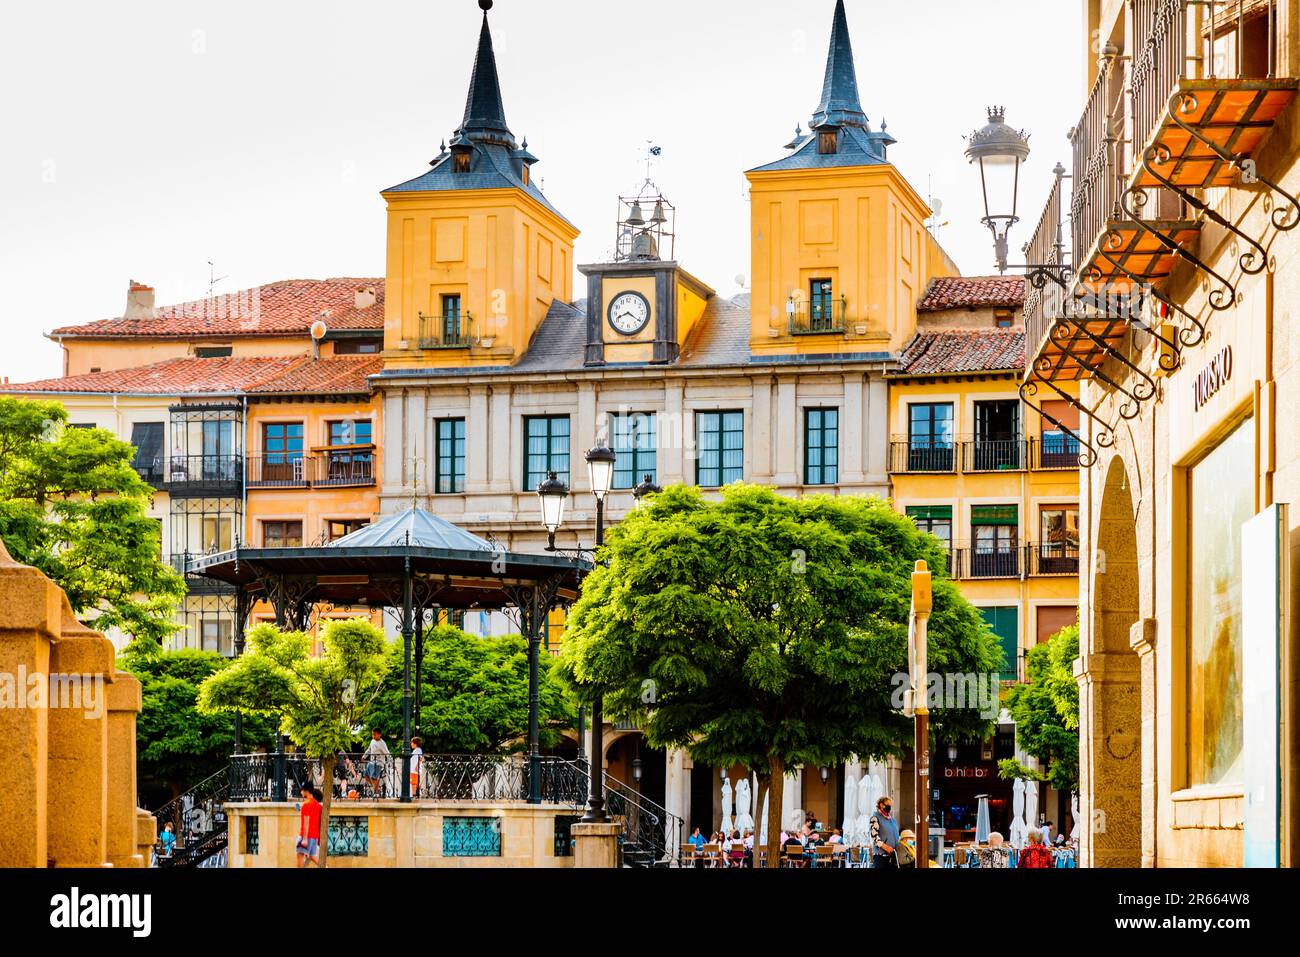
(968, 772)
(1212, 378)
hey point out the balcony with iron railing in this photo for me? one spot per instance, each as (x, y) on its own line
(922, 455)
(204, 474)
(818, 317)
(1051, 451)
(994, 455)
(1049, 559)
(449, 331)
(981, 562)
(336, 467)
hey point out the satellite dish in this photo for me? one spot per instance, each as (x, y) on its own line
(937, 205)
(740, 280)
(319, 330)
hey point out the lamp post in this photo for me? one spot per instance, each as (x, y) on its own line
(919, 618)
(999, 150)
(600, 469)
(647, 487)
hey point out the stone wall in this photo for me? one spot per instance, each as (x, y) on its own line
(67, 718)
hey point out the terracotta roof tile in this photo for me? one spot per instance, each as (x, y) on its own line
(288, 307)
(958, 292)
(189, 376)
(964, 350)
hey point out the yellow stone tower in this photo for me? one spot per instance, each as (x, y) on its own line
(476, 254)
(840, 253)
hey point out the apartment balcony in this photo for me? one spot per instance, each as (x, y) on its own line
(453, 331)
(818, 317)
(969, 564)
(995, 455)
(1059, 452)
(337, 467)
(922, 456)
(197, 584)
(1052, 559)
(204, 475)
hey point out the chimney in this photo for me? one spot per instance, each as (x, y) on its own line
(365, 297)
(139, 301)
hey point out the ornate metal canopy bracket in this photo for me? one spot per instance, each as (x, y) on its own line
(1168, 361)
(1284, 218)
(1029, 389)
(1132, 201)
(1142, 391)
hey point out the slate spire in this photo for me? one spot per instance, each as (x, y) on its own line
(840, 104)
(485, 115)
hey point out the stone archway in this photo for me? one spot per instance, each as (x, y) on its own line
(1110, 687)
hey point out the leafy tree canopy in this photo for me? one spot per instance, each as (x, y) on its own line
(72, 505)
(769, 631)
(1046, 712)
(474, 696)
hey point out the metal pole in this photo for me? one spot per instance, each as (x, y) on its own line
(419, 670)
(534, 644)
(407, 627)
(596, 765)
(241, 622)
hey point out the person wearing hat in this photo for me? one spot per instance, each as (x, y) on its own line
(907, 849)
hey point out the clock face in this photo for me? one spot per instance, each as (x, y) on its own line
(629, 312)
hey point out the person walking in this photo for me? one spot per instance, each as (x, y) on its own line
(417, 752)
(376, 761)
(309, 827)
(884, 835)
(1035, 854)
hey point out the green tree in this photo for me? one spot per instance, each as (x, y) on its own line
(321, 702)
(1046, 711)
(72, 505)
(474, 695)
(176, 746)
(768, 631)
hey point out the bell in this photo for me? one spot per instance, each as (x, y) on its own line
(643, 247)
(659, 216)
(637, 218)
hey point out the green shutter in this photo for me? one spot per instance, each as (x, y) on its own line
(1003, 622)
(941, 512)
(994, 515)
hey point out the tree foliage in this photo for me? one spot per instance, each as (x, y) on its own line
(322, 702)
(768, 631)
(474, 696)
(176, 746)
(72, 505)
(1046, 711)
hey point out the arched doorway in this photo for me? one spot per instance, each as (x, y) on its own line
(1110, 691)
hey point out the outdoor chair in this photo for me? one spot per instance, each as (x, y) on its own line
(712, 855)
(823, 855)
(690, 857)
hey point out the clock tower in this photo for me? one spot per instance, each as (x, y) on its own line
(641, 306)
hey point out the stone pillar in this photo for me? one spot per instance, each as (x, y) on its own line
(123, 701)
(1142, 637)
(1110, 759)
(146, 832)
(476, 440)
(586, 429)
(787, 434)
(596, 845)
(852, 431)
(761, 431)
(674, 436)
(677, 788)
(31, 614)
(77, 801)
(875, 422)
(499, 440)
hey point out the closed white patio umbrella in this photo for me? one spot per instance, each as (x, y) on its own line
(865, 806)
(1019, 832)
(850, 826)
(726, 805)
(1031, 806)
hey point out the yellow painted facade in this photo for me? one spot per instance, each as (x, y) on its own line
(84, 355)
(862, 228)
(505, 255)
(1043, 592)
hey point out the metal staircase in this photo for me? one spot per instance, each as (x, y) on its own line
(651, 833)
(198, 818)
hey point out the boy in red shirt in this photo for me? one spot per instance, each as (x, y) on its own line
(309, 827)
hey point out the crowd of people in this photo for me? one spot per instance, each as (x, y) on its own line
(889, 847)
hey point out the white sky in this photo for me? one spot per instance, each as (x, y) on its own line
(143, 138)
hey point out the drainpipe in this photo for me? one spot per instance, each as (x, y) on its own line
(243, 472)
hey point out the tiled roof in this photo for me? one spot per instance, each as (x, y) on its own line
(280, 375)
(288, 307)
(963, 350)
(958, 292)
(721, 337)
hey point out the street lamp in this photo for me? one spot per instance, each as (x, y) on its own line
(826, 773)
(999, 149)
(636, 769)
(952, 754)
(553, 494)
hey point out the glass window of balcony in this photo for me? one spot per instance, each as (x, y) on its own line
(997, 446)
(147, 437)
(994, 536)
(821, 306)
(1057, 552)
(929, 437)
(634, 443)
(935, 519)
(451, 318)
(282, 450)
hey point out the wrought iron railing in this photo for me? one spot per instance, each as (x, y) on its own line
(1052, 558)
(818, 317)
(652, 835)
(1098, 156)
(970, 563)
(198, 820)
(1046, 247)
(1054, 450)
(152, 470)
(284, 470)
(452, 331)
(344, 467)
(994, 455)
(204, 471)
(922, 455)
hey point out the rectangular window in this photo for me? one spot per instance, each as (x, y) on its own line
(720, 447)
(1221, 498)
(821, 306)
(634, 444)
(282, 442)
(821, 462)
(929, 437)
(147, 437)
(827, 141)
(251, 838)
(471, 836)
(546, 449)
(282, 534)
(358, 347)
(213, 352)
(216, 635)
(351, 432)
(217, 534)
(451, 456)
(1057, 551)
(935, 519)
(994, 534)
(1004, 622)
(451, 331)
(997, 444)
(349, 836)
(338, 528)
